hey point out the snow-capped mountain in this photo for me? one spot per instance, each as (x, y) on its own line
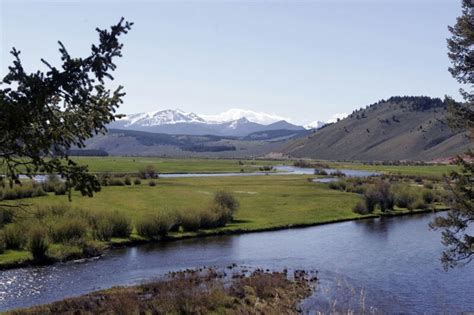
(234, 122)
(162, 117)
(252, 116)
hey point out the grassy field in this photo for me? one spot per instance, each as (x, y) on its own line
(168, 165)
(406, 170)
(265, 201)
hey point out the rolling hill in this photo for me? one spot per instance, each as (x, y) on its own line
(400, 128)
(139, 143)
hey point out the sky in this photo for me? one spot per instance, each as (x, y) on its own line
(306, 60)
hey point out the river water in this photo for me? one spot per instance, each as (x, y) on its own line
(391, 263)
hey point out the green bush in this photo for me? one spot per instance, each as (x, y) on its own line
(223, 215)
(371, 198)
(103, 230)
(190, 219)
(360, 208)
(26, 190)
(152, 183)
(428, 196)
(320, 171)
(137, 181)
(50, 183)
(38, 242)
(127, 181)
(405, 197)
(226, 200)
(2, 243)
(60, 189)
(6, 216)
(156, 226)
(68, 229)
(148, 171)
(209, 218)
(14, 236)
(114, 181)
(121, 224)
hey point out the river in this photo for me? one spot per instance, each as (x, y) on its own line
(392, 262)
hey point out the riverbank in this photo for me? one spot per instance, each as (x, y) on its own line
(229, 291)
(266, 203)
(24, 259)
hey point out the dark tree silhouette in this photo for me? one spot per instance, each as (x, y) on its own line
(460, 244)
(44, 114)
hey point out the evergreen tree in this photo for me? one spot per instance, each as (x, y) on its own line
(44, 114)
(460, 244)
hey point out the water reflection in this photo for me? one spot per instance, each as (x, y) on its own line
(394, 262)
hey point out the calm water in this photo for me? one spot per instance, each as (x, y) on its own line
(392, 262)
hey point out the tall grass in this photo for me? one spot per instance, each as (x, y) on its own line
(25, 190)
(38, 242)
(14, 235)
(156, 226)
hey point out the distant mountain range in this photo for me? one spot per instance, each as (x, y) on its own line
(400, 128)
(234, 122)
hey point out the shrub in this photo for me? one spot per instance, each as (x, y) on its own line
(137, 181)
(14, 236)
(371, 199)
(337, 173)
(302, 164)
(151, 183)
(121, 224)
(26, 190)
(148, 171)
(156, 226)
(127, 181)
(428, 196)
(226, 200)
(2, 243)
(60, 189)
(320, 171)
(190, 219)
(104, 179)
(68, 229)
(6, 216)
(222, 215)
(38, 243)
(103, 230)
(428, 185)
(385, 195)
(209, 218)
(266, 168)
(114, 181)
(360, 208)
(405, 197)
(50, 183)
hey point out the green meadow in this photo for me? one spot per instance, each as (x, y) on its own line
(265, 201)
(170, 165)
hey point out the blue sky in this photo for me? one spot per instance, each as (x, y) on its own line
(305, 60)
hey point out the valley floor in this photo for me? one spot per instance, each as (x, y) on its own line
(266, 203)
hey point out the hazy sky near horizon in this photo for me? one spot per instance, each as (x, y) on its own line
(306, 60)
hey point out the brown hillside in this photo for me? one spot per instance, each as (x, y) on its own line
(401, 128)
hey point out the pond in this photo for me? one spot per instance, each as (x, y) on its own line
(391, 263)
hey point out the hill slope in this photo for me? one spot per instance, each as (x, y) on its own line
(136, 143)
(400, 128)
